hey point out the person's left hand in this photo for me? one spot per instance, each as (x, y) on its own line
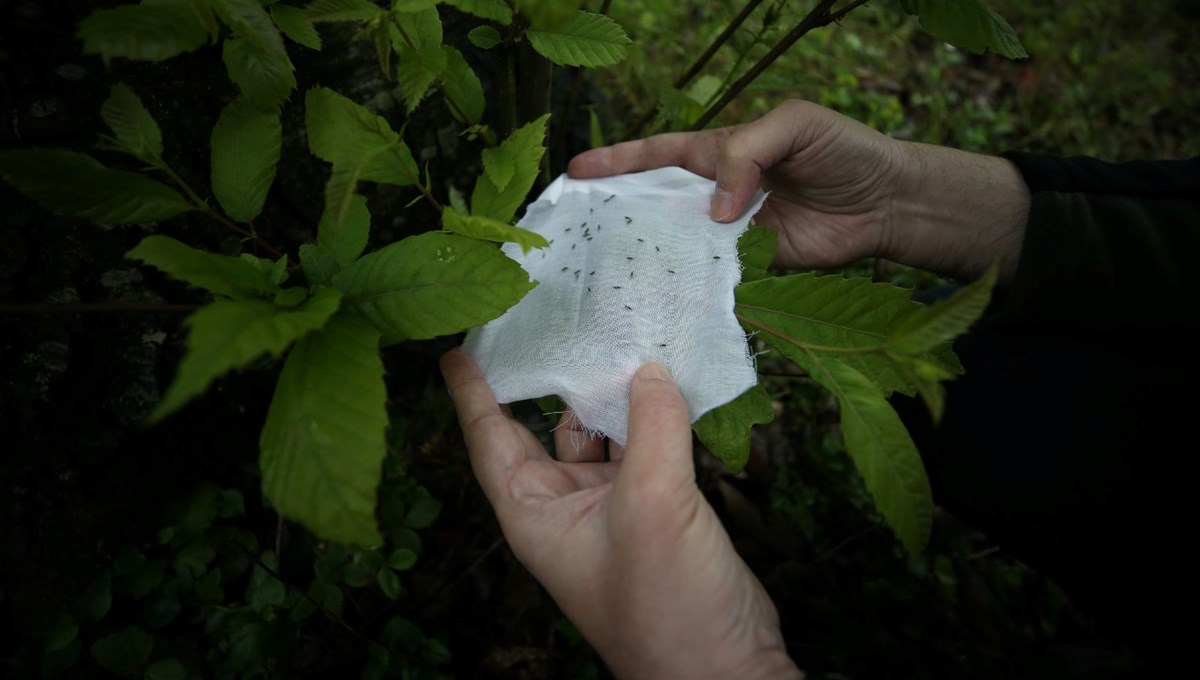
(629, 548)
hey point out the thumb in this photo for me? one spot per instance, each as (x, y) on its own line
(658, 451)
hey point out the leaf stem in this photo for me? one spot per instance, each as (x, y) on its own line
(686, 77)
(821, 15)
(205, 208)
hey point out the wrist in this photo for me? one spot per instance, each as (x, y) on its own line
(955, 212)
(762, 658)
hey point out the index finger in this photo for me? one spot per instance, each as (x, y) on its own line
(694, 151)
(494, 441)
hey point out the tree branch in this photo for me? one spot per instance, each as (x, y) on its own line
(821, 15)
(700, 62)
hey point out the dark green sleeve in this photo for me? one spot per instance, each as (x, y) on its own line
(1108, 246)
(1071, 436)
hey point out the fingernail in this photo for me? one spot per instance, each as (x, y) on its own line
(653, 371)
(722, 205)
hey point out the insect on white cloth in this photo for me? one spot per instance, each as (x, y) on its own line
(637, 271)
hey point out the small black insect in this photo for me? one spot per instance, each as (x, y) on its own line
(551, 241)
(584, 224)
(657, 250)
(662, 344)
(589, 238)
(716, 257)
(670, 271)
(567, 229)
(628, 258)
(576, 273)
(629, 308)
(565, 268)
(629, 220)
(589, 289)
(591, 273)
(641, 240)
(616, 288)
(572, 246)
(611, 197)
(631, 275)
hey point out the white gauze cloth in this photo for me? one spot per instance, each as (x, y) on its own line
(636, 271)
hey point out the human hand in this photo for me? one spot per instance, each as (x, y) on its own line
(841, 191)
(629, 548)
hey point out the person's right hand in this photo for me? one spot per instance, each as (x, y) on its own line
(841, 191)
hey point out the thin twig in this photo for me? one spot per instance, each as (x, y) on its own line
(205, 208)
(700, 62)
(465, 572)
(818, 17)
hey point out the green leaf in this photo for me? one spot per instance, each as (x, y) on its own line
(251, 22)
(230, 334)
(166, 669)
(499, 163)
(423, 510)
(194, 557)
(933, 325)
(204, 14)
(756, 252)
(587, 40)
(132, 124)
(342, 132)
(264, 590)
(66, 629)
(275, 270)
(405, 6)
(484, 37)
(548, 14)
(246, 143)
(432, 284)
(595, 133)
(126, 651)
(849, 319)
(417, 70)
(418, 42)
(928, 379)
(461, 88)
(319, 265)
(209, 588)
(232, 504)
(218, 274)
(402, 559)
(969, 24)
(496, 10)
(263, 76)
(70, 183)
(524, 148)
(345, 241)
(296, 25)
(323, 443)
(726, 430)
(882, 450)
(489, 229)
(343, 10)
(97, 599)
(146, 32)
(389, 583)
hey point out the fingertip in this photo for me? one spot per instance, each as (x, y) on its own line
(593, 163)
(722, 206)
